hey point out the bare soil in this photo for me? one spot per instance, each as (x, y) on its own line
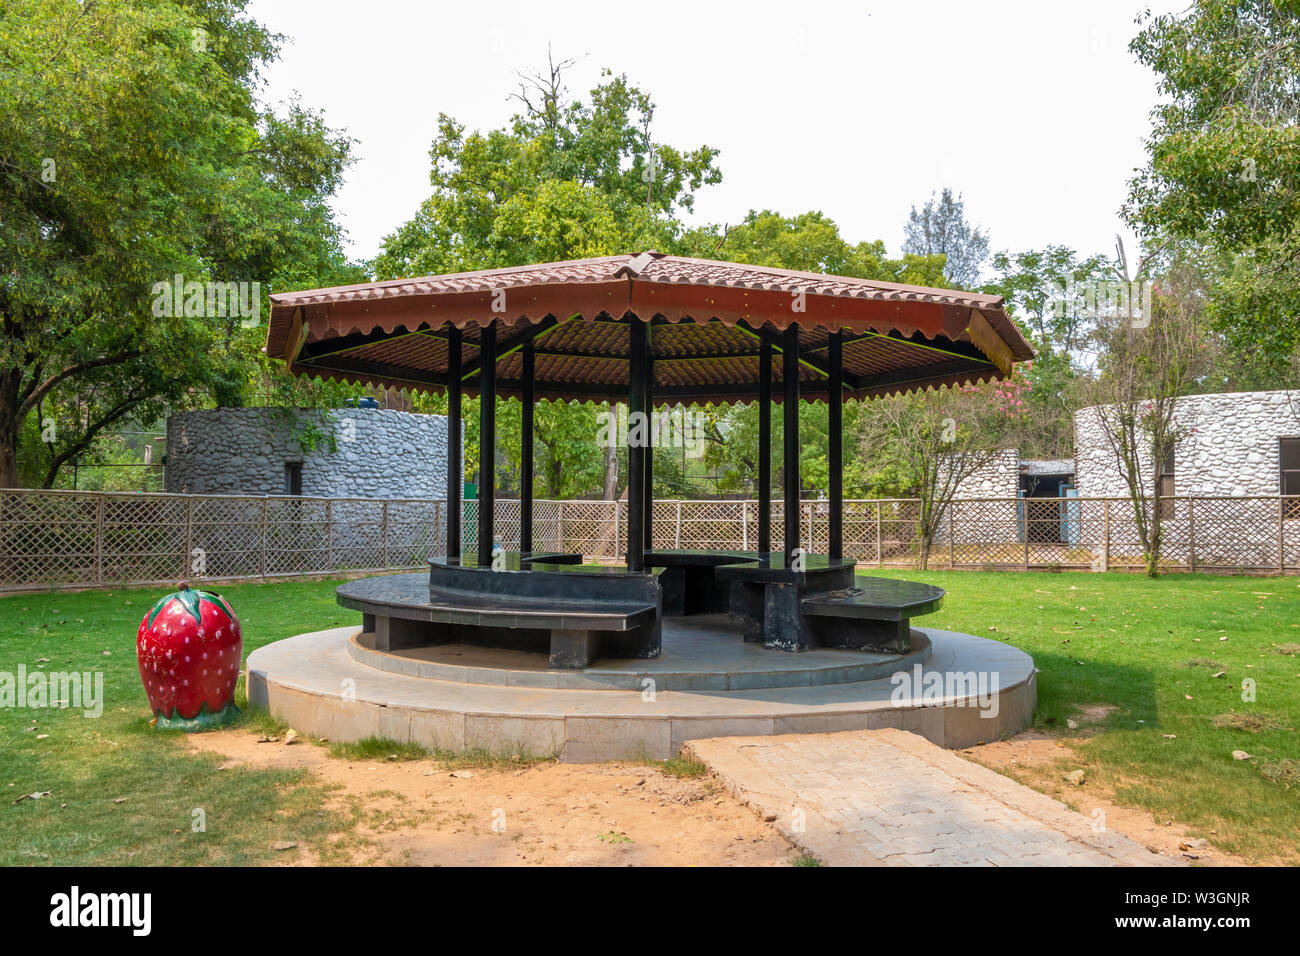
(417, 812)
(1041, 760)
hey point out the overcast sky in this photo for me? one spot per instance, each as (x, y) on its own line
(1034, 111)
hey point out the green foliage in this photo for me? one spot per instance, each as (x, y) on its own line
(132, 150)
(1031, 282)
(1224, 167)
(563, 181)
(811, 242)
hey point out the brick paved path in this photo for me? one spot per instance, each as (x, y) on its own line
(891, 798)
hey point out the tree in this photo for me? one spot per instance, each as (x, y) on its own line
(808, 242)
(133, 150)
(1144, 369)
(941, 438)
(1224, 163)
(940, 228)
(1038, 285)
(566, 179)
(811, 242)
(1035, 284)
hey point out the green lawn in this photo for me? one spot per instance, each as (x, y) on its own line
(121, 793)
(1154, 650)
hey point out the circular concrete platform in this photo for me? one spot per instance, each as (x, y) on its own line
(700, 652)
(969, 689)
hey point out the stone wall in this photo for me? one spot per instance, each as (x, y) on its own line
(997, 478)
(1230, 448)
(986, 522)
(375, 453)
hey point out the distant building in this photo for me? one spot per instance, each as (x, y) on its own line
(1007, 475)
(345, 453)
(1235, 444)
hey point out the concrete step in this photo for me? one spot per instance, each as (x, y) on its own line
(313, 683)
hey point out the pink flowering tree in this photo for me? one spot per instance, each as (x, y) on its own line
(942, 437)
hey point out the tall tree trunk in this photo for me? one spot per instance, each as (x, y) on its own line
(9, 425)
(611, 458)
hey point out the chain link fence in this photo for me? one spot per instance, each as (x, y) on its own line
(52, 539)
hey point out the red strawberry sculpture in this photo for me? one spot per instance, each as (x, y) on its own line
(189, 648)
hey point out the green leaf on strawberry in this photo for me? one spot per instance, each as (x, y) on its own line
(190, 598)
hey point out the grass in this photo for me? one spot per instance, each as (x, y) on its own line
(121, 793)
(683, 768)
(381, 748)
(1152, 650)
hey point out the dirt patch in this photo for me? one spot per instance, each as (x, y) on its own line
(418, 812)
(1040, 761)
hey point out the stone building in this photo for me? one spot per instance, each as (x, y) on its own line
(1232, 445)
(1007, 477)
(344, 453)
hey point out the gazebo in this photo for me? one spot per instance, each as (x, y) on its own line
(646, 329)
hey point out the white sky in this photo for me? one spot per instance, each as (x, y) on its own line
(1034, 111)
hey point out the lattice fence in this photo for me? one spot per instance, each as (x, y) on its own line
(87, 539)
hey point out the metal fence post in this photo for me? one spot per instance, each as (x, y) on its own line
(1191, 535)
(1105, 544)
(618, 514)
(186, 565)
(880, 544)
(744, 525)
(677, 538)
(99, 540)
(261, 560)
(559, 529)
(442, 514)
(384, 554)
(952, 533)
(1026, 506)
(329, 533)
(1281, 533)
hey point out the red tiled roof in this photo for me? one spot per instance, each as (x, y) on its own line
(707, 318)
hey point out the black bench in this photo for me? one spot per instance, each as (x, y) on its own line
(573, 614)
(873, 616)
(690, 581)
(766, 592)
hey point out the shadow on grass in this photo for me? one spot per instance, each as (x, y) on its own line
(1066, 687)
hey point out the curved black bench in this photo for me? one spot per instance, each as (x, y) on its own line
(873, 616)
(690, 580)
(574, 614)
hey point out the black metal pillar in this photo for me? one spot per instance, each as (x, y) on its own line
(835, 425)
(650, 448)
(765, 447)
(487, 442)
(527, 401)
(636, 470)
(455, 463)
(790, 472)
